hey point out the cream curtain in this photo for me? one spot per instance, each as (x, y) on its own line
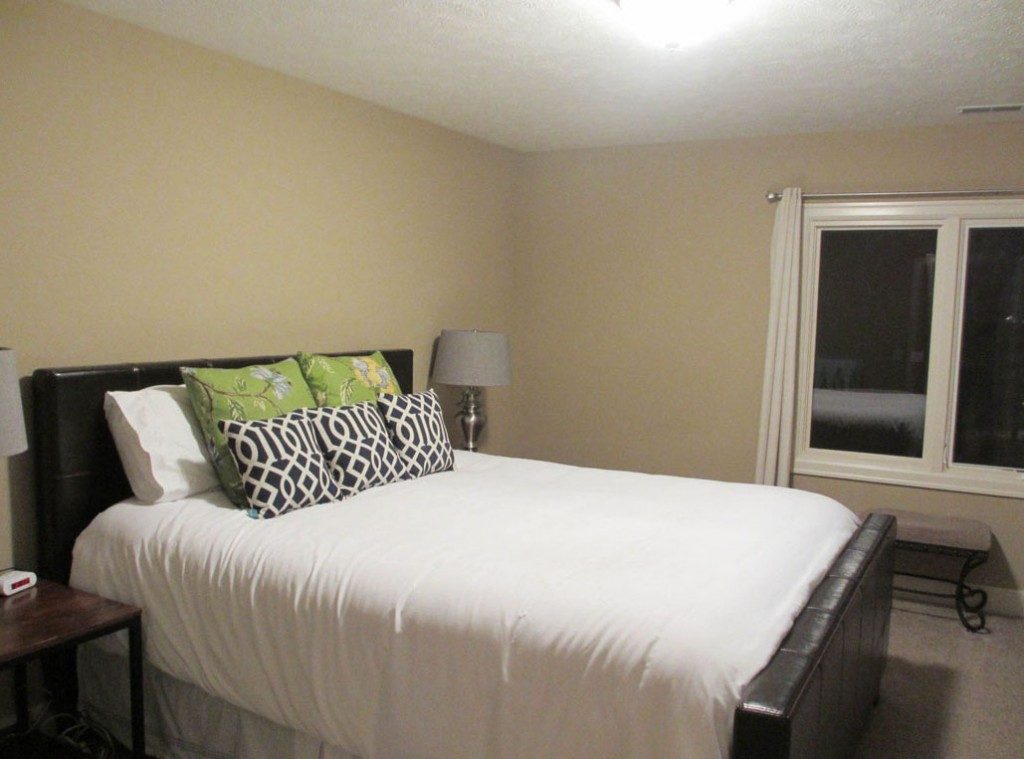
(778, 402)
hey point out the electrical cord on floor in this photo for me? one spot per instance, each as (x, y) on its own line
(88, 737)
(78, 732)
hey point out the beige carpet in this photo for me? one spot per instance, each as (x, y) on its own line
(947, 693)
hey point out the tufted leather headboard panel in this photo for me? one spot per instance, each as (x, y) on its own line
(78, 472)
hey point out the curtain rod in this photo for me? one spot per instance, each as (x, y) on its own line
(775, 197)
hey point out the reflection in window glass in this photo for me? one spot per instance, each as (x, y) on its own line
(990, 400)
(872, 339)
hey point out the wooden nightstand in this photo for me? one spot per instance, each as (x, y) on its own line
(51, 617)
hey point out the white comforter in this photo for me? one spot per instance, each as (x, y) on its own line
(511, 608)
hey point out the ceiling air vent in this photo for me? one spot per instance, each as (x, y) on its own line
(966, 110)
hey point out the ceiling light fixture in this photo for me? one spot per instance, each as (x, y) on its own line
(675, 23)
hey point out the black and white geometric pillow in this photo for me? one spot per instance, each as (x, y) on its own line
(281, 464)
(356, 446)
(418, 432)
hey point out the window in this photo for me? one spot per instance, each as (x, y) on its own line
(912, 344)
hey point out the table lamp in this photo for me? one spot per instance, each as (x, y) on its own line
(12, 417)
(472, 359)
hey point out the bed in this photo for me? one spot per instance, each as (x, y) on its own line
(802, 687)
(868, 421)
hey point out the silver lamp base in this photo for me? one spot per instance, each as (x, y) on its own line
(471, 416)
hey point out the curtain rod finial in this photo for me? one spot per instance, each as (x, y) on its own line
(773, 197)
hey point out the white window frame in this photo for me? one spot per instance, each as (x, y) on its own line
(935, 469)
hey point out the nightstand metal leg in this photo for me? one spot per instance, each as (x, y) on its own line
(21, 697)
(135, 673)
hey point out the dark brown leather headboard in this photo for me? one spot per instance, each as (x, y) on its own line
(78, 472)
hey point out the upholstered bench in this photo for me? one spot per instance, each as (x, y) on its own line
(968, 539)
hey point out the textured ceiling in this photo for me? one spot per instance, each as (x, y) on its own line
(544, 74)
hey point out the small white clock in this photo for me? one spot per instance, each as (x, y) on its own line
(15, 580)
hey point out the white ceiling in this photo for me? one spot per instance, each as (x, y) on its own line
(545, 74)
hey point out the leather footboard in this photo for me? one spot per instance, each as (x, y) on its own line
(814, 697)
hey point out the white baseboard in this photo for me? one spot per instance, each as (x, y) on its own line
(1004, 602)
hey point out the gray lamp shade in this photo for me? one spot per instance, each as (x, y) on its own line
(12, 418)
(471, 358)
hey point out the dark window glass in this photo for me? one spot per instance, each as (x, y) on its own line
(871, 347)
(990, 399)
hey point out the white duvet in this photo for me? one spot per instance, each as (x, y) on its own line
(511, 608)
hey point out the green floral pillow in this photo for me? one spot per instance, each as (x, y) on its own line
(343, 380)
(252, 392)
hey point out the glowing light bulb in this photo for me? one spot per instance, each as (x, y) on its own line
(675, 23)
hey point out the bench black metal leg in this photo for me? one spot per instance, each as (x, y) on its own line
(970, 602)
(135, 673)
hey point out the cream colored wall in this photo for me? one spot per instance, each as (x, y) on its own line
(642, 298)
(160, 201)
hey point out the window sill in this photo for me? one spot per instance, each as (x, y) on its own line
(1002, 483)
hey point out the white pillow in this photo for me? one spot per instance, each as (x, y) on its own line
(159, 442)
